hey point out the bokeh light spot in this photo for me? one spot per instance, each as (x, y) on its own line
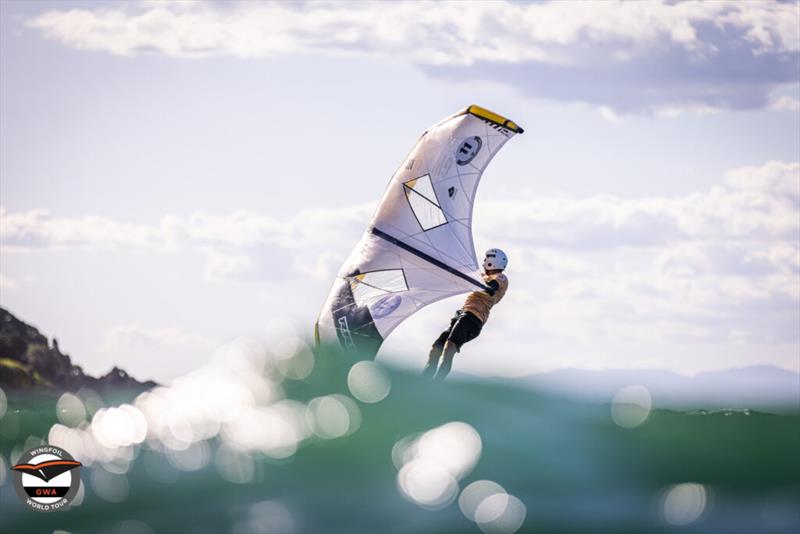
(333, 416)
(433, 463)
(427, 483)
(296, 364)
(472, 496)
(196, 456)
(110, 487)
(368, 382)
(631, 406)
(500, 513)
(266, 517)
(70, 410)
(683, 504)
(234, 465)
(455, 446)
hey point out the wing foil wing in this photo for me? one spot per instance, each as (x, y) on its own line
(418, 248)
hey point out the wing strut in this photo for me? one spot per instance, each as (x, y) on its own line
(405, 246)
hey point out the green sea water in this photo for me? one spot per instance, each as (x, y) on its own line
(569, 463)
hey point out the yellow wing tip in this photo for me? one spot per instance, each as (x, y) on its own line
(495, 118)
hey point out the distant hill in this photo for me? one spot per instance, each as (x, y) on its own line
(758, 387)
(29, 360)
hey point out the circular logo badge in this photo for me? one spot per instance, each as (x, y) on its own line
(47, 478)
(467, 150)
(385, 306)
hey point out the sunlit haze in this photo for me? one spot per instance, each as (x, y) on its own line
(176, 175)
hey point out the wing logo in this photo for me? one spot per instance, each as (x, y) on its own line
(497, 127)
(47, 478)
(344, 328)
(468, 149)
(386, 306)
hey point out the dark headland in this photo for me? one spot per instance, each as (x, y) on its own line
(29, 361)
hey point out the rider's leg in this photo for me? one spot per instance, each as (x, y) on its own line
(448, 354)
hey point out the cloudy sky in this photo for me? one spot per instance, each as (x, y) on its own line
(175, 175)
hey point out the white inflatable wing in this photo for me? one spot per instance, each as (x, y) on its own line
(418, 247)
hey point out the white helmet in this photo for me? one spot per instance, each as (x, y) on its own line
(495, 259)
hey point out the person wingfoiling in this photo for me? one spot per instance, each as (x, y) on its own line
(468, 321)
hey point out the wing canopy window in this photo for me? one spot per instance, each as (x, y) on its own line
(422, 199)
(369, 286)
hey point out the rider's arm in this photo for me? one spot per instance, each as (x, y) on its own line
(492, 286)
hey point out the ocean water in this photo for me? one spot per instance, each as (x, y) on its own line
(270, 439)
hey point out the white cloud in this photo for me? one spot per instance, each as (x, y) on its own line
(785, 103)
(237, 245)
(627, 56)
(167, 352)
(442, 32)
(717, 267)
(227, 265)
(542, 261)
(37, 228)
(774, 178)
(608, 114)
(710, 267)
(8, 283)
(133, 336)
(756, 203)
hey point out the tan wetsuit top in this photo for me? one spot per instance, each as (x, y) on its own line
(479, 303)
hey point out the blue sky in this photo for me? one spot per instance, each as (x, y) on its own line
(174, 175)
